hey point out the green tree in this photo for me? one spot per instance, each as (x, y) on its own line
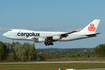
(26, 46)
(88, 56)
(40, 57)
(11, 56)
(99, 50)
(19, 52)
(78, 55)
(25, 52)
(9, 46)
(3, 51)
(32, 52)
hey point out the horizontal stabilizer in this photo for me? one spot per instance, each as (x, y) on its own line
(92, 35)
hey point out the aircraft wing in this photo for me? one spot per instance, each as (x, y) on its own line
(66, 34)
(56, 37)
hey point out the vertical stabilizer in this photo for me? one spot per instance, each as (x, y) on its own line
(91, 28)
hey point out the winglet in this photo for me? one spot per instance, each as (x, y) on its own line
(78, 29)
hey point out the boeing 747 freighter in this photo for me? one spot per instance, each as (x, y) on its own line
(49, 37)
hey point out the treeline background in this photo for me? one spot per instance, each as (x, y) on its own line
(27, 52)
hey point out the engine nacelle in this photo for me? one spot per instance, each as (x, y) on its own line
(56, 37)
(41, 39)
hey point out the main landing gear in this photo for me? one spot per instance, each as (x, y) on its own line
(48, 43)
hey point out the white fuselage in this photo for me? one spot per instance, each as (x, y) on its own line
(20, 34)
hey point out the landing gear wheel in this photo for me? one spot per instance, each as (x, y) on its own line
(51, 43)
(48, 43)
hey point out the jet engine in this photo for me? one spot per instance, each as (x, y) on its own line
(41, 39)
(56, 37)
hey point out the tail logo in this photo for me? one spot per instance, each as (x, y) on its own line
(91, 27)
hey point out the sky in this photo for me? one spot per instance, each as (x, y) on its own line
(53, 15)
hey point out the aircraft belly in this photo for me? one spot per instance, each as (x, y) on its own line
(73, 37)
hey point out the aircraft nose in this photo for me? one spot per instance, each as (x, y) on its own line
(5, 34)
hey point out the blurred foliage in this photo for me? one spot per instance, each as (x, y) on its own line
(99, 51)
(27, 52)
(3, 51)
(17, 51)
(11, 56)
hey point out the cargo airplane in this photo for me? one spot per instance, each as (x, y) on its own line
(49, 37)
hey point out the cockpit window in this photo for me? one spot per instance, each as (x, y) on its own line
(10, 30)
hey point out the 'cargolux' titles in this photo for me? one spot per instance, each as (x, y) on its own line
(28, 34)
